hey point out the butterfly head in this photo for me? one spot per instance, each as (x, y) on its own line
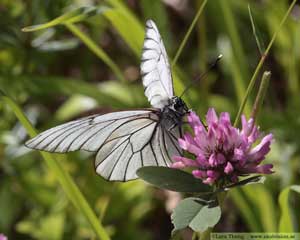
(179, 105)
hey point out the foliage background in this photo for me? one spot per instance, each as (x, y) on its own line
(54, 77)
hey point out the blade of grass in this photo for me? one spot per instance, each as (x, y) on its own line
(72, 16)
(259, 45)
(96, 50)
(55, 21)
(261, 94)
(126, 24)
(260, 64)
(188, 33)
(68, 185)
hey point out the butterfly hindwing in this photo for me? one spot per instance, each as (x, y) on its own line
(125, 152)
(124, 141)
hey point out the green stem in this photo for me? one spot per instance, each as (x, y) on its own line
(206, 234)
(260, 64)
(195, 236)
(188, 33)
(68, 185)
(96, 49)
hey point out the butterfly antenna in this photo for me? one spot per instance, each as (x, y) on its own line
(203, 75)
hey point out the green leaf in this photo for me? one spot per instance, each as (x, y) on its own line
(206, 218)
(194, 214)
(286, 218)
(173, 179)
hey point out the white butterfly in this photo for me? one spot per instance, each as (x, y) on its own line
(127, 140)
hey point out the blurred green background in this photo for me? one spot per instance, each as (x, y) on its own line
(55, 77)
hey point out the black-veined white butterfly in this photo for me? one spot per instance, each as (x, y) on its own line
(127, 140)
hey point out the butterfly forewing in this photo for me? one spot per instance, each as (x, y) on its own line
(155, 68)
(86, 133)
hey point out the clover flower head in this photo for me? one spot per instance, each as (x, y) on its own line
(2, 237)
(223, 152)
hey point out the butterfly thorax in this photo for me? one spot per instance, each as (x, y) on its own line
(173, 113)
